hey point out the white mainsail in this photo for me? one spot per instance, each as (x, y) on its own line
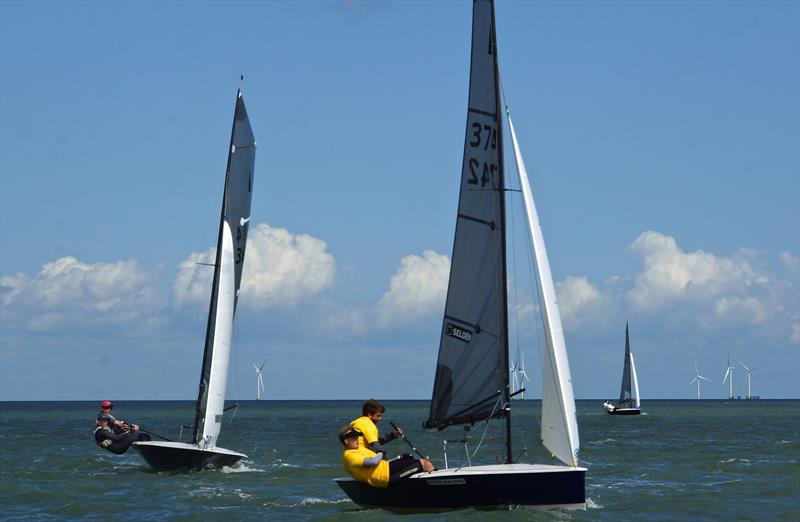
(559, 423)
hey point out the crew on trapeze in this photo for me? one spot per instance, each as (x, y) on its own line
(115, 435)
(609, 407)
(364, 457)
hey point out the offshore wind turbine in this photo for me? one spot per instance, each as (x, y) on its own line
(697, 379)
(748, 370)
(518, 376)
(729, 373)
(259, 381)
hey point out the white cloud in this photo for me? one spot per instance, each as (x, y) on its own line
(280, 270)
(577, 300)
(417, 289)
(671, 275)
(67, 292)
(792, 265)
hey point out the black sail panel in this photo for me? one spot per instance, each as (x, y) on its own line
(625, 396)
(471, 373)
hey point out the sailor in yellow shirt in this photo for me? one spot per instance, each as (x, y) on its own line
(367, 466)
(372, 413)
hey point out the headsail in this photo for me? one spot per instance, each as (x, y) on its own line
(231, 243)
(559, 423)
(471, 382)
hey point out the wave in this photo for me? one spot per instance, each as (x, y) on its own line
(604, 441)
(735, 459)
(723, 482)
(308, 501)
(242, 468)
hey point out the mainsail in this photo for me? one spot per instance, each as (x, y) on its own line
(471, 382)
(234, 222)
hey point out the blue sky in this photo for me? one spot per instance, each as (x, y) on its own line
(661, 139)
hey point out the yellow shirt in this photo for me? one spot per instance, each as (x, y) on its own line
(376, 476)
(368, 428)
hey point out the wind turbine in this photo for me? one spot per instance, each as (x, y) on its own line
(748, 370)
(518, 376)
(729, 373)
(698, 378)
(259, 381)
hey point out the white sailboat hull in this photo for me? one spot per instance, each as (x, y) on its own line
(174, 456)
(476, 486)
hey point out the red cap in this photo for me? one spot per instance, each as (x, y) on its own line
(106, 404)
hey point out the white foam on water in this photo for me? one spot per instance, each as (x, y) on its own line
(241, 468)
(723, 482)
(308, 501)
(591, 504)
(604, 441)
(735, 459)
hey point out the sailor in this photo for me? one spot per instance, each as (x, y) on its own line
(118, 426)
(117, 443)
(372, 413)
(367, 466)
(609, 407)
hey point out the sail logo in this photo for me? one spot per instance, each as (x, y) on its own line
(459, 333)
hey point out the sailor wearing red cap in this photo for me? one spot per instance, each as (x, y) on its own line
(117, 426)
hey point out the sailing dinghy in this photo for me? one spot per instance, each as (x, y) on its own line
(203, 452)
(472, 375)
(629, 392)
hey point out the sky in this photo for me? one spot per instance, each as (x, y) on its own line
(662, 140)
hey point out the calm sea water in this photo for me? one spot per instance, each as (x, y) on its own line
(683, 460)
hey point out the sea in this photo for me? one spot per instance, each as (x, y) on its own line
(680, 460)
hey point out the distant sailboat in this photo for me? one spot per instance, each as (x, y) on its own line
(472, 374)
(628, 403)
(203, 452)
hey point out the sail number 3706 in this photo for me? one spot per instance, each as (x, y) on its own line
(482, 137)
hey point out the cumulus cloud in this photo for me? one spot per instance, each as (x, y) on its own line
(280, 270)
(67, 292)
(579, 301)
(670, 274)
(417, 289)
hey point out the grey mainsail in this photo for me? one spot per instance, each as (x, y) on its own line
(471, 382)
(625, 389)
(228, 264)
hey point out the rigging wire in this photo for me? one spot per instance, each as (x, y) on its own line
(182, 308)
(534, 280)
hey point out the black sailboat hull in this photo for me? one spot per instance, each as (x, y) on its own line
(478, 486)
(178, 456)
(625, 411)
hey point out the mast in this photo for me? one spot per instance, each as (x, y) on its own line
(504, 269)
